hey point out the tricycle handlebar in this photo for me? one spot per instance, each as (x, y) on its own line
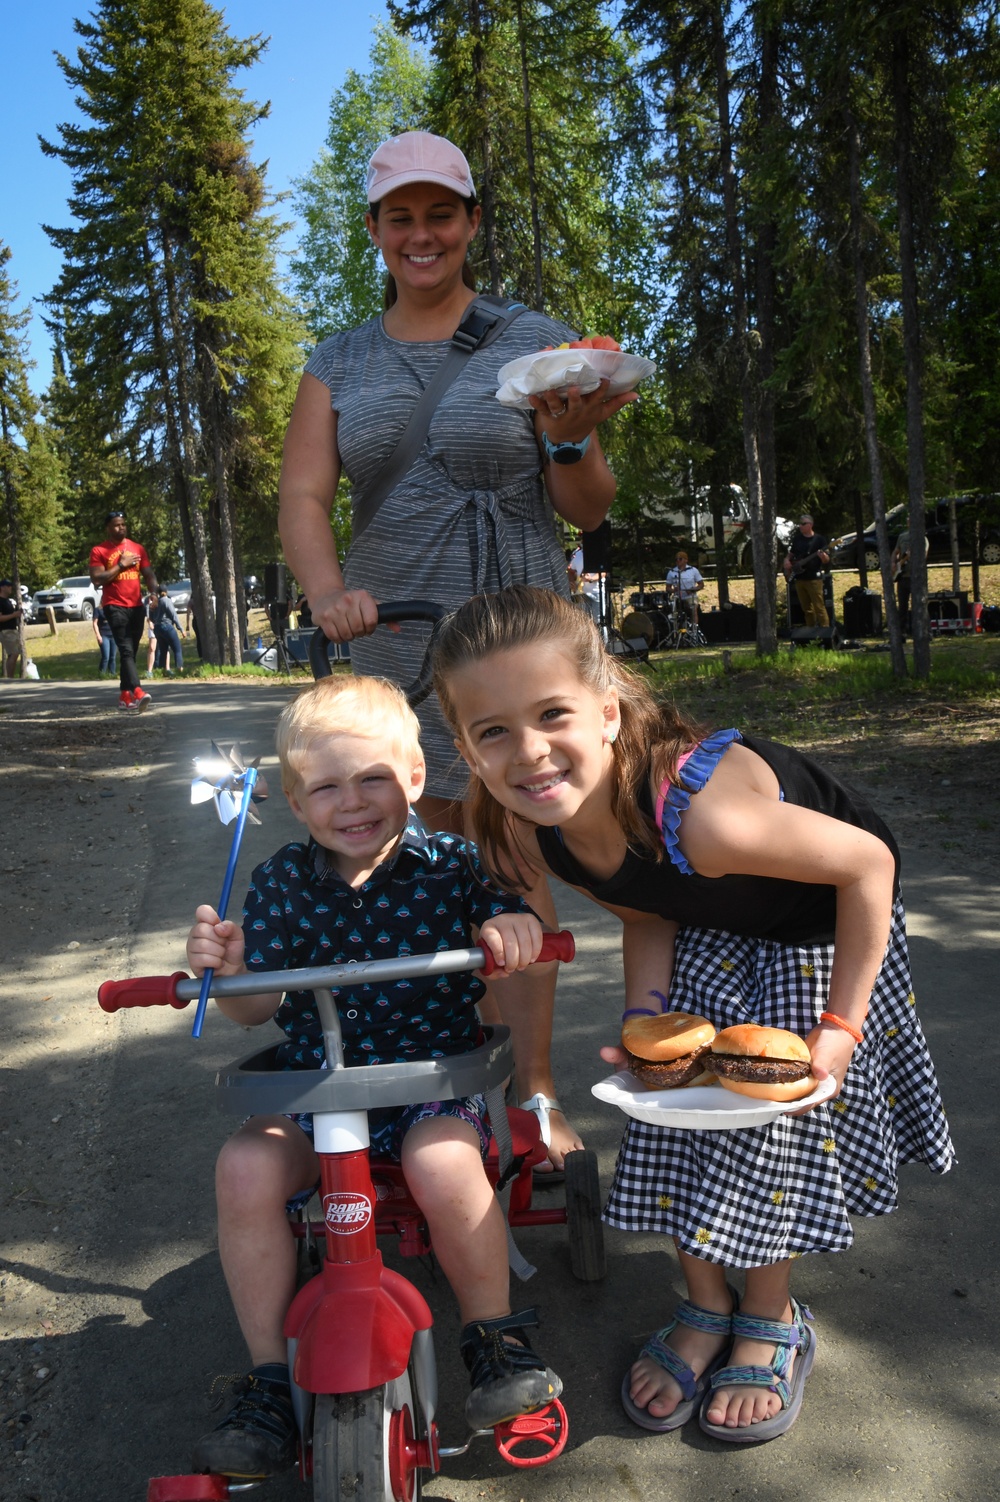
(178, 989)
(390, 613)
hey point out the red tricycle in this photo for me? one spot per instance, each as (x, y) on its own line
(360, 1343)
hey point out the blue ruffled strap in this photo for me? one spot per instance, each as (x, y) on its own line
(674, 801)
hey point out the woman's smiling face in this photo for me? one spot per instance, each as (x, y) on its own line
(424, 232)
(533, 731)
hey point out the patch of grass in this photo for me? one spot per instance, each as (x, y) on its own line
(811, 695)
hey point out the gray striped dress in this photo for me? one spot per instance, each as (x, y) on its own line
(472, 513)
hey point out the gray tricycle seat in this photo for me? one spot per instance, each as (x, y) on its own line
(257, 1086)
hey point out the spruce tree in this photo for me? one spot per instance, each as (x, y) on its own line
(169, 296)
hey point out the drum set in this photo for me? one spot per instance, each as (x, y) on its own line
(664, 620)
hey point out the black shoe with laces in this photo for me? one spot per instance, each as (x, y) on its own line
(507, 1377)
(258, 1435)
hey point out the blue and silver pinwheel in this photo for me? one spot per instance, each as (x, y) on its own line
(234, 786)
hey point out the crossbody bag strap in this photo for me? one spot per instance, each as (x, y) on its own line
(485, 320)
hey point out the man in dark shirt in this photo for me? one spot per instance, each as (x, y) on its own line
(10, 629)
(806, 560)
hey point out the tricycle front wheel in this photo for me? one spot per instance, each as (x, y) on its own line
(365, 1445)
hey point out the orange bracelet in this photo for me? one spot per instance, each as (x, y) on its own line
(842, 1022)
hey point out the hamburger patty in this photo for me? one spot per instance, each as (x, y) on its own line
(669, 1074)
(757, 1071)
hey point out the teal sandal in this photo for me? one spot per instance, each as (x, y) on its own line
(692, 1387)
(790, 1339)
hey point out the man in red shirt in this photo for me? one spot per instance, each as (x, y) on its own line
(115, 566)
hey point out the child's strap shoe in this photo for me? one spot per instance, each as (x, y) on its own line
(507, 1377)
(258, 1436)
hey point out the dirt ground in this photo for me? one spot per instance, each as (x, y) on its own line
(87, 854)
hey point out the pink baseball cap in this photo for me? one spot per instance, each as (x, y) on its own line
(417, 157)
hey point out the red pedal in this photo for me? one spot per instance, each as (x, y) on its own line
(188, 1489)
(533, 1439)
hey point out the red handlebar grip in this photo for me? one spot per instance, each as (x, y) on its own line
(560, 946)
(143, 991)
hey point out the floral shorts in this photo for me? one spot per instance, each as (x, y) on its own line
(387, 1128)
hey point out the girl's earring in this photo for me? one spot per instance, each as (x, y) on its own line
(610, 736)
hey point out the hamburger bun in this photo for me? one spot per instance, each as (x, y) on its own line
(668, 1051)
(765, 1063)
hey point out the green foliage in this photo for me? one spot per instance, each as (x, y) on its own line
(32, 482)
(336, 272)
(179, 351)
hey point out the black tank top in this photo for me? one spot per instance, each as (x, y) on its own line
(757, 907)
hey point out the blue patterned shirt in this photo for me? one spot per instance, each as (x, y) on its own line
(299, 911)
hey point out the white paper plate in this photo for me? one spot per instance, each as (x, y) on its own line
(700, 1108)
(558, 369)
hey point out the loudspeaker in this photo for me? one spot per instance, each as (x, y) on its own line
(275, 586)
(862, 612)
(713, 625)
(739, 623)
(597, 549)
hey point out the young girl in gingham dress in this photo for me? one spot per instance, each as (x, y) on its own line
(753, 887)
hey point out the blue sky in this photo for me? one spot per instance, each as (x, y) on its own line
(313, 45)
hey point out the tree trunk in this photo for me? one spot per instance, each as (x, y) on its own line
(764, 584)
(487, 196)
(716, 494)
(10, 501)
(216, 432)
(766, 239)
(529, 152)
(912, 352)
(897, 653)
(183, 444)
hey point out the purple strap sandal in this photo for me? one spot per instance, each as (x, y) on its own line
(792, 1339)
(694, 1388)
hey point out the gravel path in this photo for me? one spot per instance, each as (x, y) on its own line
(113, 1314)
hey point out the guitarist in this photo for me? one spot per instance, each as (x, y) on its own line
(806, 560)
(900, 563)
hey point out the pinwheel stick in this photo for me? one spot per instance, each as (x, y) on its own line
(249, 779)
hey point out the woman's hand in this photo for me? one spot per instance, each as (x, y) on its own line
(576, 408)
(830, 1049)
(569, 418)
(214, 944)
(343, 614)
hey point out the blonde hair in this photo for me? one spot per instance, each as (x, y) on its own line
(348, 705)
(652, 735)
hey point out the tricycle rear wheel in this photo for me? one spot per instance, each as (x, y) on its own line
(583, 1216)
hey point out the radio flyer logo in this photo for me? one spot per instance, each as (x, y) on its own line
(346, 1212)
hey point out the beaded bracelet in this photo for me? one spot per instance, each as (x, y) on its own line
(842, 1022)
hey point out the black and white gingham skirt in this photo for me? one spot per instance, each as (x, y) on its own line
(752, 1197)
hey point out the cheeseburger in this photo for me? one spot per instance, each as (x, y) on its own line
(667, 1051)
(765, 1062)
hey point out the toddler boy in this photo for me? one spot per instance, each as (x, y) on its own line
(369, 883)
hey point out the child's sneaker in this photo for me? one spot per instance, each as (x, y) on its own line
(258, 1436)
(125, 700)
(141, 699)
(507, 1377)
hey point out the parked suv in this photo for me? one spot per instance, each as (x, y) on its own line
(845, 551)
(73, 599)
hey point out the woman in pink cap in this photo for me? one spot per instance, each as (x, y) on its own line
(474, 511)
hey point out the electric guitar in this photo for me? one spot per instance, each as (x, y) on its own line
(801, 564)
